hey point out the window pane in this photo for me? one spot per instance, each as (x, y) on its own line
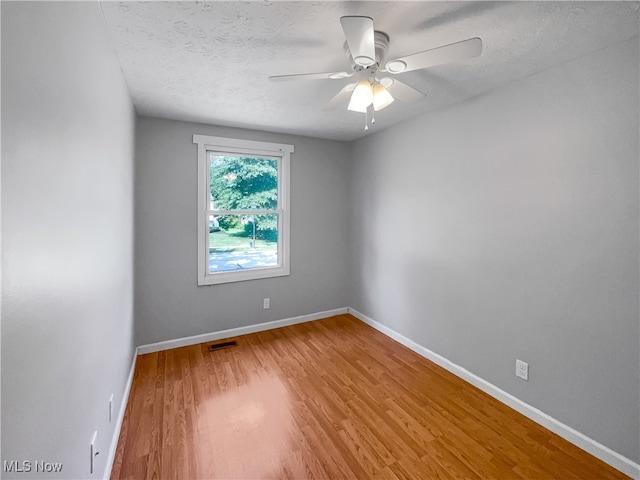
(238, 183)
(240, 242)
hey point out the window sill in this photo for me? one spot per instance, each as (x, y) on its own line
(236, 276)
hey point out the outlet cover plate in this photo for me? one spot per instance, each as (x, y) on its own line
(522, 369)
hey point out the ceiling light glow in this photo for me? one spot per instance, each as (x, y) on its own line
(361, 97)
(381, 97)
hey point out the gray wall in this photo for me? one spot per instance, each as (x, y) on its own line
(169, 304)
(67, 231)
(507, 227)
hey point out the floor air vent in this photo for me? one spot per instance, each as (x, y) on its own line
(218, 346)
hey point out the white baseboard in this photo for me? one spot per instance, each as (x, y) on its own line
(617, 461)
(118, 426)
(234, 332)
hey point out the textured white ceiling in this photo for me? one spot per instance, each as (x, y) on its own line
(209, 61)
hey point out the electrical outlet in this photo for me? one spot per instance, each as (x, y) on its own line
(266, 303)
(93, 451)
(111, 408)
(522, 369)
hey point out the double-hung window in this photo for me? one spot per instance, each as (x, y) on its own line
(243, 209)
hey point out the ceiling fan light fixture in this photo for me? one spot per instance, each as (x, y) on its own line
(361, 97)
(396, 66)
(381, 97)
(356, 108)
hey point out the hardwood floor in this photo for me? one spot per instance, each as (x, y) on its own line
(327, 399)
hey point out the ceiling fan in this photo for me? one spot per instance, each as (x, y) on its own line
(366, 49)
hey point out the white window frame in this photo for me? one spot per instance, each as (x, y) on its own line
(282, 154)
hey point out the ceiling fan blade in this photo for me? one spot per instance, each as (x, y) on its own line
(310, 76)
(342, 98)
(402, 91)
(454, 52)
(359, 34)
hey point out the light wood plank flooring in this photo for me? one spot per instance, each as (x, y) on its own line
(328, 399)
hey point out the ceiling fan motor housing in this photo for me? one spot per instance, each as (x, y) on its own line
(381, 41)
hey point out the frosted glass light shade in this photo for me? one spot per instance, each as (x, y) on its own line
(361, 97)
(381, 97)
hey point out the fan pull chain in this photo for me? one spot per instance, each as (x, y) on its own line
(373, 116)
(366, 119)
